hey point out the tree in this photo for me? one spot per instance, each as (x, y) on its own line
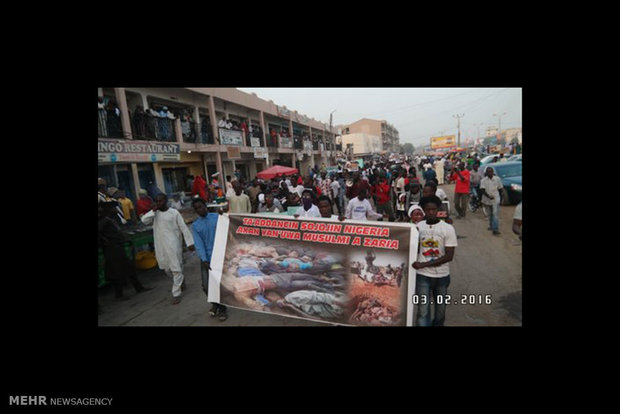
(407, 148)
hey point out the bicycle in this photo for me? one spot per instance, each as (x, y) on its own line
(475, 203)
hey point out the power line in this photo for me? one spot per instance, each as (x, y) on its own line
(453, 109)
(390, 111)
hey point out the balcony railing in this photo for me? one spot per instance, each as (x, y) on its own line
(109, 124)
(298, 142)
(148, 127)
(206, 134)
(189, 131)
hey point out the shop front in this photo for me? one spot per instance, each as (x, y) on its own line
(131, 164)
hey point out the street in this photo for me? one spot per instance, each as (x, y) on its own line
(483, 265)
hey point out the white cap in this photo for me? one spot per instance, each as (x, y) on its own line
(415, 207)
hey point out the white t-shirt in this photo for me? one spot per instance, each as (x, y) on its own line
(300, 189)
(433, 242)
(335, 187)
(313, 212)
(358, 210)
(491, 187)
(518, 212)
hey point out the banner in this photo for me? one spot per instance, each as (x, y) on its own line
(447, 141)
(286, 142)
(255, 141)
(230, 137)
(260, 152)
(233, 153)
(346, 273)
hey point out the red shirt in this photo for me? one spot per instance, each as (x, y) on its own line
(462, 186)
(199, 187)
(354, 190)
(143, 205)
(382, 192)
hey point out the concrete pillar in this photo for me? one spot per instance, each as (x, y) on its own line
(159, 177)
(177, 130)
(216, 135)
(145, 102)
(121, 99)
(204, 164)
(197, 121)
(311, 156)
(136, 180)
(252, 170)
(262, 125)
(290, 125)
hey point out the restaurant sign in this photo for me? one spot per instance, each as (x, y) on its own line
(116, 150)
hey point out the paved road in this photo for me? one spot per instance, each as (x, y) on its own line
(484, 264)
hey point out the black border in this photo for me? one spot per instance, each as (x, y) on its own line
(53, 318)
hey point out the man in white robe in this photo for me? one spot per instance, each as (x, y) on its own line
(439, 170)
(169, 230)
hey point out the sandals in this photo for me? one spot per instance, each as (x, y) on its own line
(176, 300)
(213, 310)
(222, 314)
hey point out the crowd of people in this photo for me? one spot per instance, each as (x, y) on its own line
(385, 190)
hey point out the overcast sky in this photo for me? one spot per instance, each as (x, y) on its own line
(417, 113)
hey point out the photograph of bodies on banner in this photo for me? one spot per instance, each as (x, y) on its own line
(286, 278)
(378, 288)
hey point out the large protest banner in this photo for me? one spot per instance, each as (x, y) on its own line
(348, 273)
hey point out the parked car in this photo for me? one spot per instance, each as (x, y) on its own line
(487, 160)
(510, 174)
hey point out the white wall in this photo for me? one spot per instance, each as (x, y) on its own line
(363, 143)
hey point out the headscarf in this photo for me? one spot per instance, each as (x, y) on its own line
(415, 207)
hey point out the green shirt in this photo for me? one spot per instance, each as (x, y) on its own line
(239, 204)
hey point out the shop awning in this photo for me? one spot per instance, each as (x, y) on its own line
(276, 171)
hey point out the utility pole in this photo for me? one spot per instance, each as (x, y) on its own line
(330, 125)
(331, 133)
(499, 128)
(458, 125)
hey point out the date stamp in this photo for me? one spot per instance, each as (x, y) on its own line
(471, 299)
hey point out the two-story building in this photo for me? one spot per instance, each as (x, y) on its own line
(163, 135)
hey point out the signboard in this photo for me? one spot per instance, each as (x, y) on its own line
(260, 152)
(230, 137)
(255, 142)
(233, 153)
(447, 141)
(347, 273)
(113, 150)
(286, 142)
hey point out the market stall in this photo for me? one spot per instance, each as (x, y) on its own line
(139, 238)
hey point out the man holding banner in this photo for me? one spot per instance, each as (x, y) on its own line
(437, 245)
(203, 230)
